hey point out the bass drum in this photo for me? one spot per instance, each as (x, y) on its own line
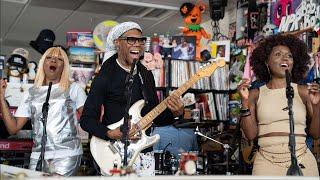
(193, 163)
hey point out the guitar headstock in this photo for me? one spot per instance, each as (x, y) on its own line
(210, 67)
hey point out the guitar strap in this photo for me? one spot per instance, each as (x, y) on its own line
(146, 84)
(142, 87)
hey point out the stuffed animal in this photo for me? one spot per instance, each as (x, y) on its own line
(17, 65)
(32, 70)
(192, 17)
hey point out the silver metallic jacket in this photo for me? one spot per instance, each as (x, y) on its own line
(61, 123)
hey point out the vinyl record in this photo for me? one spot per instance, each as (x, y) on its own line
(100, 33)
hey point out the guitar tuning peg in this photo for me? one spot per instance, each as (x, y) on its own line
(208, 63)
(201, 67)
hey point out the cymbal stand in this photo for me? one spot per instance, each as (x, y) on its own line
(225, 146)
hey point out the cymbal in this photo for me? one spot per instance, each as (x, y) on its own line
(192, 124)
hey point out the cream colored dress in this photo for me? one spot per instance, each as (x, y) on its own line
(273, 157)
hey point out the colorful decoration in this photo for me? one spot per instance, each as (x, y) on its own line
(100, 33)
(152, 62)
(192, 18)
(282, 8)
(306, 16)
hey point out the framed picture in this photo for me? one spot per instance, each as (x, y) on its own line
(81, 75)
(80, 38)
(254, 20)
(82, 55)
(219, 49)
(184, 47)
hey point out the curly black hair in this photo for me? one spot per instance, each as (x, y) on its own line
(298, 48)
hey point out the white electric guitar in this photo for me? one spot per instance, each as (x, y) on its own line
(109, 154)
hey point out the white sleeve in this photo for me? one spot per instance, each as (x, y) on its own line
(78, 95)
(24, 107)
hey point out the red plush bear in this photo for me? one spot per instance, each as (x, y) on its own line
(192, 18)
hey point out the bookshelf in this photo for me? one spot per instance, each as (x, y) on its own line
(212, 91)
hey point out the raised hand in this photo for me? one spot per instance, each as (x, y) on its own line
(3, 87)
(314, 93)
(243, 89)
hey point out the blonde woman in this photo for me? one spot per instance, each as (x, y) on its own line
(63, 147)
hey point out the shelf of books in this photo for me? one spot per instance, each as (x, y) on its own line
(210, 94)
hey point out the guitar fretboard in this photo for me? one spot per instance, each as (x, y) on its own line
(146, 121)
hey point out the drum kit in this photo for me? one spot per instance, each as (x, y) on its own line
(189, 163)
(194, 162)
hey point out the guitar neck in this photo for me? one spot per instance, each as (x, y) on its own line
(148, 118)
(146, 121)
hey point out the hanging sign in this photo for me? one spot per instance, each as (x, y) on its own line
(307, 15)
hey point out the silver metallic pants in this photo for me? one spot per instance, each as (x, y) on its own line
(62, 166)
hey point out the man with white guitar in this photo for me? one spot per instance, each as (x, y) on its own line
(106, 102)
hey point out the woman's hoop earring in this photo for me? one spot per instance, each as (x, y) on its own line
(268, 71)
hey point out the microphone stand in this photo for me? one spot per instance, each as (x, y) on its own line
(45, 109)
(126, 126)
(225, 146)
(294, 169)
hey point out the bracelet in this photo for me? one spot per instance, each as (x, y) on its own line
(242, 111)
(245, 114)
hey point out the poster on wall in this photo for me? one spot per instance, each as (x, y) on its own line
(81, 75)
(82, 55)
(281, 8)
(291, 15)
(184, 47)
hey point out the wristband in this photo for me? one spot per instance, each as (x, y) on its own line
(242, 111)
(245, 114)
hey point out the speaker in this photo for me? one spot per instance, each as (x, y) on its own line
(217, 9)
